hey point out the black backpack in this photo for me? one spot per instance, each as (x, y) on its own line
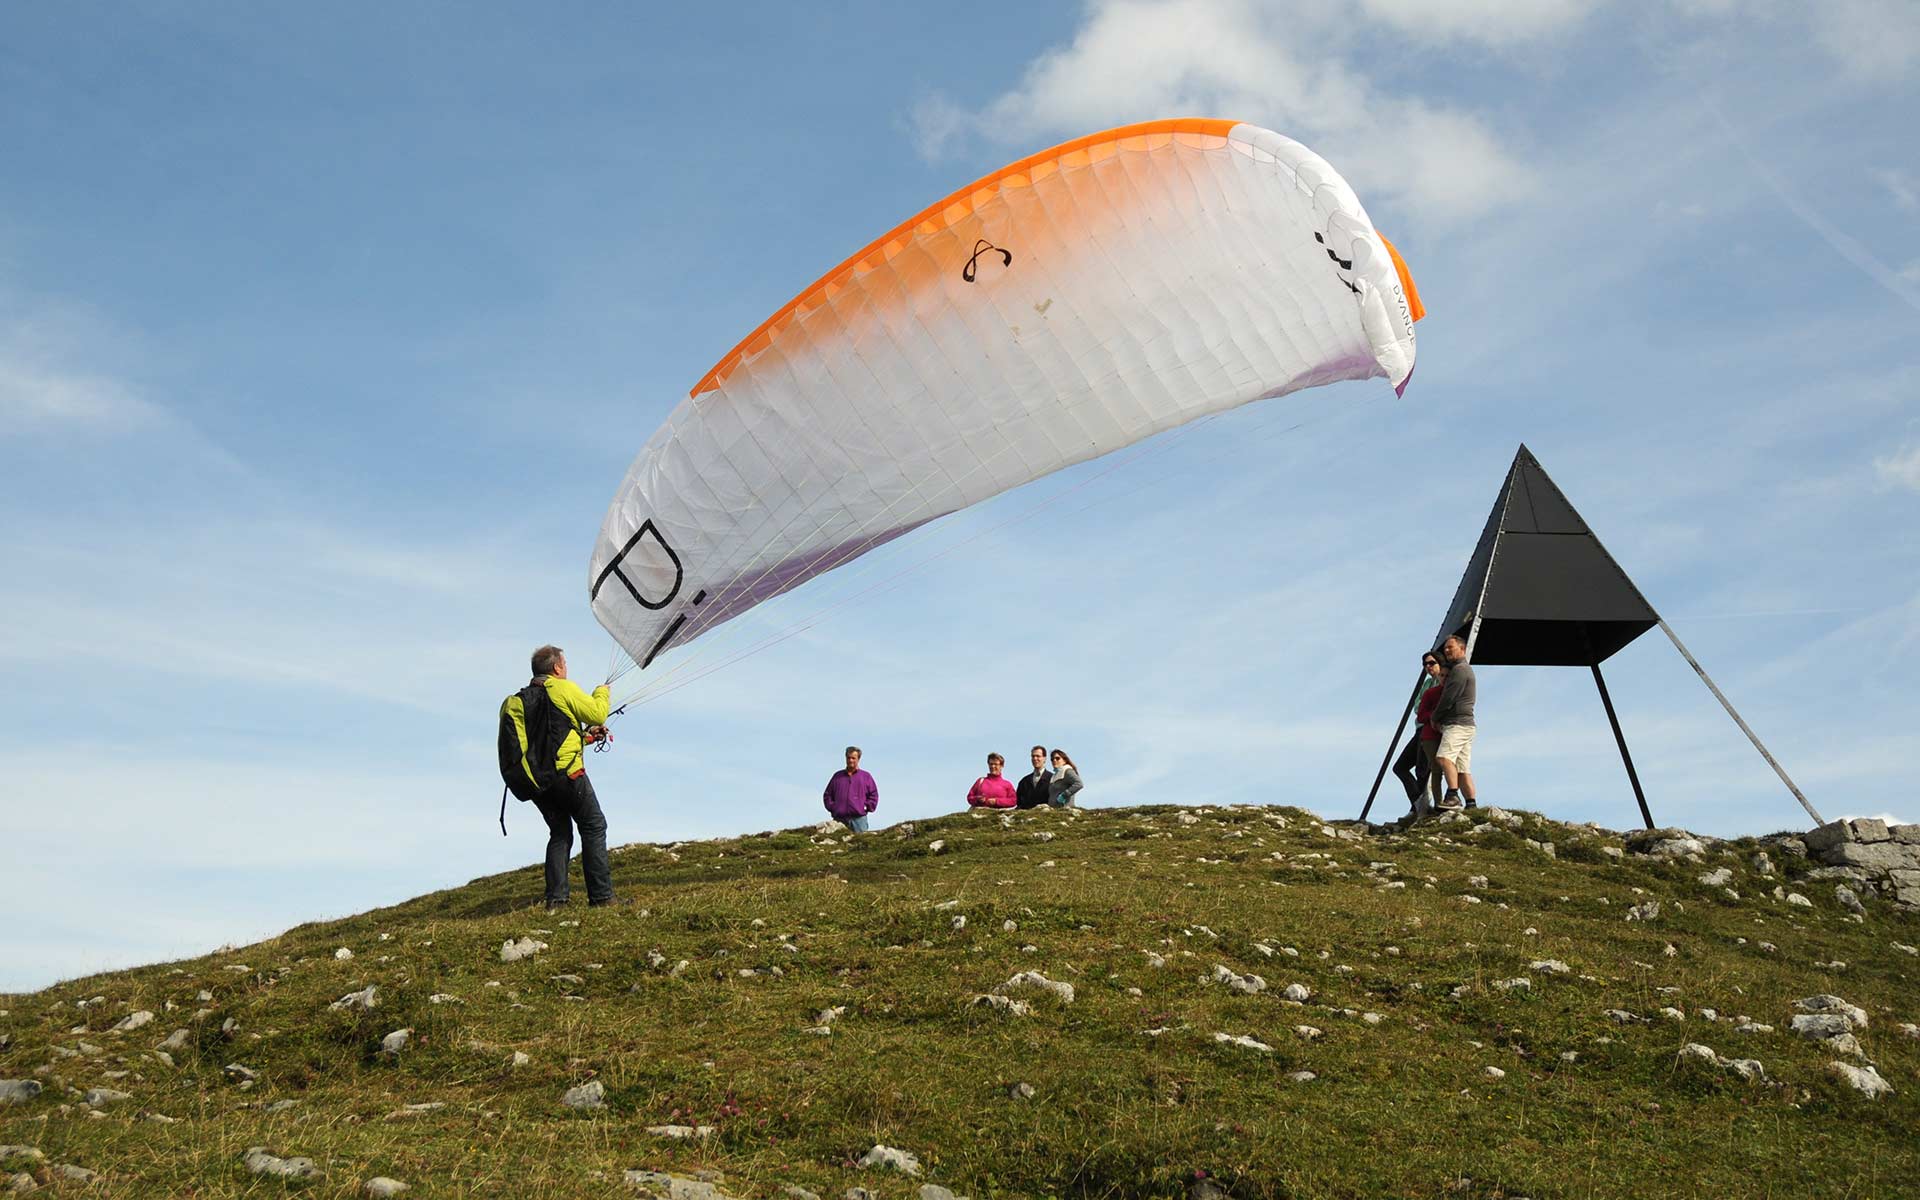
(531, 731)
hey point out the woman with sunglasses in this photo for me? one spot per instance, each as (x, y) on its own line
(1414, 767)
(1429, 736)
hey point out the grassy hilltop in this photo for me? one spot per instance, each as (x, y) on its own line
(709, 1004)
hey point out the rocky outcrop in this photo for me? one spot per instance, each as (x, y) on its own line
(1871, 855)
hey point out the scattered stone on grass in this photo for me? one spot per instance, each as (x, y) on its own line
(1298, 993)
(672, 1187)
(396, 1041)
(1021, 1091)
(1826, 1002)
(18, 1091)
(683, 1133)
(993, 1000)
(262, 1161)
(366, 997)
(1034, 979)
(1746, 1068)
(102, 1097)
(1249, 984)
(1864, 1080)
(132, 1021)
(381, 1186)
(1238, 1040)
(514, 951)
(589, 1095)
(891, 1159)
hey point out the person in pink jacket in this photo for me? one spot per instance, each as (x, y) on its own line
(993, 790)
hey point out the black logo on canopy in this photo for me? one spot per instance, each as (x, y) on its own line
(972, 270)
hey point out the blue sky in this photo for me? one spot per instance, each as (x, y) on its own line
(326, 336)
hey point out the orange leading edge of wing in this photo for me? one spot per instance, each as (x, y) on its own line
(961, 203)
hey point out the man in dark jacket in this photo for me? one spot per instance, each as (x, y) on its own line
(1032, 792)
(1454, 717)
(851, 794)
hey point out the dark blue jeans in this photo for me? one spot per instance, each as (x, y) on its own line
(568, 803)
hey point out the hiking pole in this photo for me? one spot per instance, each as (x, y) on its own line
(503, 812)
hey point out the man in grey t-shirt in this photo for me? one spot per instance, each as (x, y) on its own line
(1453, 716)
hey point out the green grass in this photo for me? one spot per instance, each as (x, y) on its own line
(1399, 1108)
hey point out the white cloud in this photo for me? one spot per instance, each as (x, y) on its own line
(1900, 468)
(1141, 59)
(1490, 22)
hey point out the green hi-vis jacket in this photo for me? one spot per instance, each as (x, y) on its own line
(581, 709)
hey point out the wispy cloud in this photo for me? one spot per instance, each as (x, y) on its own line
(1901, 187)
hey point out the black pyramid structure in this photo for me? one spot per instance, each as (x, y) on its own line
(1540, 590)
(1544, 590)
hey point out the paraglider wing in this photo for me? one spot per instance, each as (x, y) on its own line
(1064, 307)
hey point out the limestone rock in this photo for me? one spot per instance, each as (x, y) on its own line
(396, 1041)
(367, 997)
(18, 1091)
(1828, 1003)
(1873, 856)
(1248, 984)
(672, 1187)
(1818, 1027)
(1848, 900)
(590, 1095)
(262, 1161)
(514, 951)
(891, 1159)
(1299, 993)
(1864, 1080)
(993, 1000)
(102, 1097)
(132, 1021)
(237, 1073)
(1243, 1041)
(382, 1186)
(1549, 966)
(1034, 979)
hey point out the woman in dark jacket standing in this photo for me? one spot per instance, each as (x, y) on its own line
(1065, 783)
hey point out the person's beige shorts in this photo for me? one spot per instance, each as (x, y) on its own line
(1456, 746)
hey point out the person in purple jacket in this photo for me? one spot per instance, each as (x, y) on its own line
(851, 794)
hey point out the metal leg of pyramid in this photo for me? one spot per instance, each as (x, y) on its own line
(1382, 772)
(1751, 736)
(1620, 740)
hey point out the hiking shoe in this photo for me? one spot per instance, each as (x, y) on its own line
(1473, 803)
(1450, 802)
